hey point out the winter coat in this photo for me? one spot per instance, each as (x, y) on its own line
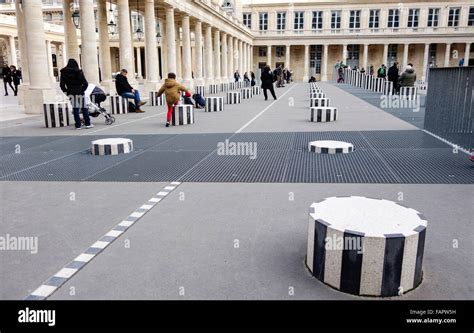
(393, 73)
(73, 82)
(121, 84)
(267, 79)
(408, 78)
(16, 77)
(7, 74)
(171, 88)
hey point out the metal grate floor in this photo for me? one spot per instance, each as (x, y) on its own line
(411, 157)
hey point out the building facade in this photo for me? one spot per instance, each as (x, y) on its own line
(205, 41)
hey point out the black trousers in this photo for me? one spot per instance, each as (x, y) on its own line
(10, 84)
(271, 90)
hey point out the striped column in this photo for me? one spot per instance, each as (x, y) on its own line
(112, 146)
(182, 115)
(323, 114)
(56, 115)
(234, 97)
(214, 104)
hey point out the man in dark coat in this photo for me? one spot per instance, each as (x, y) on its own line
(16, 77)
(125, 90)
(267, 82)
(73, 83)
(7, 78)
(392, 76)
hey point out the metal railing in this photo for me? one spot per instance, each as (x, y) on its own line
(450, 105)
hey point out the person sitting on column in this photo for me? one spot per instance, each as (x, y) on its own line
(172, 90)
(16, 77)
(73, 83)
(237, 76)
(125, 90)
(7, 78)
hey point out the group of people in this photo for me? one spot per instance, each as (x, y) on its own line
(11, 75)
(406, 79)
(248, 79)
(283, 75)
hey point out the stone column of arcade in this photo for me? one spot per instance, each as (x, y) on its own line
(217, 56)
(89, 61)
(187, 64)
(208, 56)
(170, 41)
(125, 40)
(198, 76)
(151, 51)
(104, 48)
(40, 90)
(70, 34)
(23, 52)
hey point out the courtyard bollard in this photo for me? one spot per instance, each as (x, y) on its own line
(246, 93)
(408, 93)
(56, 114)
(366, 246)
(317, 95)
(330, 147)
(323, 114)
(118, 105)
(214, 104)
(234, 97)
(201, 90)
(213, 89)
(112, 146)
(313, 102)
(155, 100)
(256, 90)
(224, 87)
(182, 115)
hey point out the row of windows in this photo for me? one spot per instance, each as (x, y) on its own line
(393, 19)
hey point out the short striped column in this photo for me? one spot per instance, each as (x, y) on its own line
(232, 86)
(156, 100)
(213, 89)
(246, 93)
(388, 88)
(201, 90)
(112, 146)
(256, 90)
(214, 104)
(408, 93)
(330, 147)
(317, 95)
(234, 97)
(378, 85)
(182, 115)
(323, 114)
(313, 102)
(366, 246)
(118, 105)
(56, 114)
(224, 87)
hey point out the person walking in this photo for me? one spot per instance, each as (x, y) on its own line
(252, 79)
(267, 78)
(340, 75)
(125, 90)
(172, 91)
(16, 77)
(73, 83)
(392, 76)
(382, 72)
(408, 77)
(7, 78)
(246, 79)
(236, 76)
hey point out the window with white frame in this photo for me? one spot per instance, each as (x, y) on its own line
(336, 19)
(453, 17)
(470, 20)
(315, 58)
(317, 22)
(374, 18)
(247, 19)
(263, 21)
(354, 19)
(281, 21)
(299, 21)
(391, 54)
(393, 18)
(413, 14)
(433, 17)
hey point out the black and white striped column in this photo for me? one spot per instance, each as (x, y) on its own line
(256, 90)
(56, 114)
(213, 89)
(112, 146)
(330, 147)
(118, 105)
(366, 246)
(246, 93)
(317, 95)
(201, 90)
(214, 104)
(224, 87)
(232, 86)
(234, 97)
(408, 93)
(182, 115)
(313, 102)
(155, 100)
(323, 114)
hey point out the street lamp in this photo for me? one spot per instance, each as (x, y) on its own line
(75, 14)
(112, 26)
(139, 31)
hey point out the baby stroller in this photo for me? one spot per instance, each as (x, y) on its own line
(93, 97)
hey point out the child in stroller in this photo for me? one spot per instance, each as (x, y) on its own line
(93, 97)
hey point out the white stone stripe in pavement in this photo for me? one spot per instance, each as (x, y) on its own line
(65, 273)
